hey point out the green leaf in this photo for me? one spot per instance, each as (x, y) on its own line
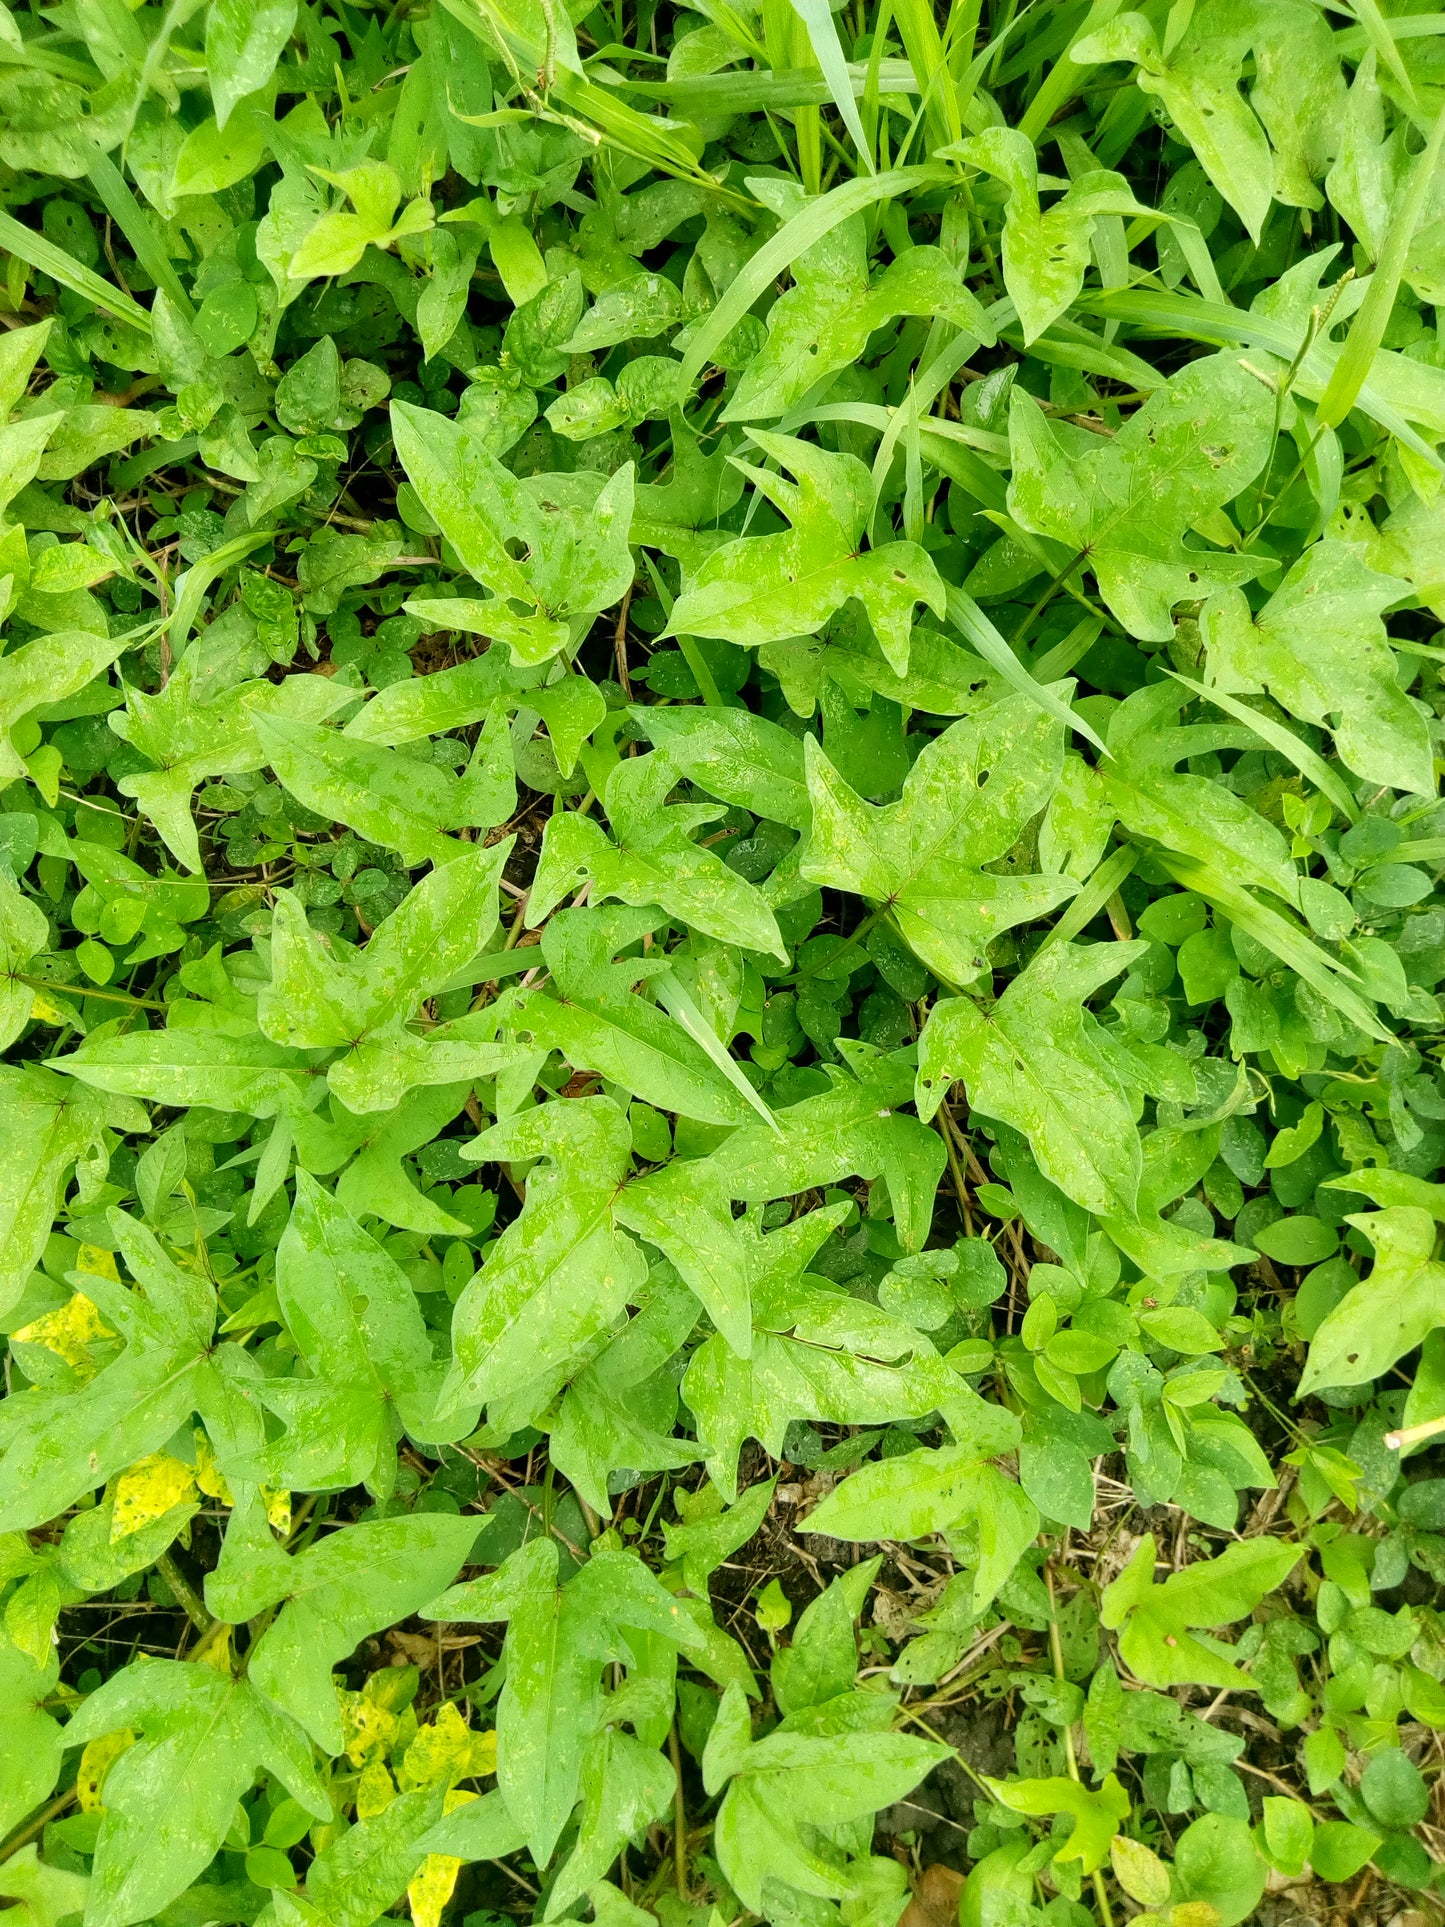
(619, 1411)
(598, 1024)
(376, 1179)
(559, 1275)
(824, 320)
(23, 932)
(366, 1869)
(934, 1489)
(1122, 507)
(743, 759)
(701, 1544)
(170, 1798)
(362, 1005)
(179, 1067)
(346, 1585)
(941, 678)
(188, 737)
(1367, 330)
(1097, 1814)
(574, 537)
(1197, 84)
(1216, 1864)
(654, 860)
(695, 1231)
(854, 1129)
(387, 797)
(815, 1353)
(1156, 1639)
(42, 1895)
(455, 698)
(48, 670)
(964, 805)
(1388, 1313)
(1032, 1061)
(31, 1742)
(558, 1642)
(44, 1127)
(1044, 254)
(243, 44)
(1319, 647)
(1139, 1871)
(355, 1320)
(1339, 1850)
(1184, 812)
(762, 588)
(625, 1786)
(800, 232)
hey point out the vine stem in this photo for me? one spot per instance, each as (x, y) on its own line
(185, 1592)
(679, 1814)
(38, 1825)
(1056, 1651)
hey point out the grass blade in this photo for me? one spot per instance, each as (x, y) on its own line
(20, 240)
(823, 34)
(1305, 760)
(139, 229)
(775, 257)
(971, 622)
(1367, 330)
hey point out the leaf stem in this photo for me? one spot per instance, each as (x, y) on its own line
(855, 936)
(679, 1814)
(185, 1592)
(87, 990)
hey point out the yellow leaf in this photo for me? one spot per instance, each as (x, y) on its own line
(448, 1750)
(98, 1757)
(368, 1729)
(69, 1331)
(436, 1878)
(432, 1888)
(147, 1490)
(98, 1262)
(375, 1790)
(208, 1474)
(215, 1650)
(46, 1009)
(278, 1508)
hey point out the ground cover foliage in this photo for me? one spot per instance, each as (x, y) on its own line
(719, 917)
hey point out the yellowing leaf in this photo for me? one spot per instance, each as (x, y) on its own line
(448, 1750)
(368, 1729)
(96, 1760)
(46, 1009)
(278, 1508)
(150, 1487)
(98, 1262)
(1194, 1913)
(69, 1331)
(209, 1477)
(432, 1888)
(1139, 1871)
(375, 1790)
